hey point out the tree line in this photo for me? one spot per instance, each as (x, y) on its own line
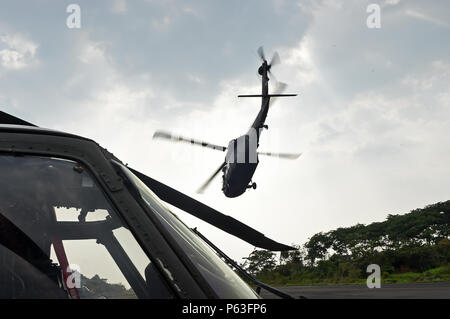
(411, 243)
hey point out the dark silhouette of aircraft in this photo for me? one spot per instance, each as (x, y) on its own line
(241, 158)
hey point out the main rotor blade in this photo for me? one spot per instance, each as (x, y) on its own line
(6, 118)
(275, 59)
(281, 155)
(272, 76)
(261, 53)
(206, 184)
(210, 215)
(174, 138)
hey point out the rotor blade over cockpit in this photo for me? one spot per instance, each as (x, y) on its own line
(175, 138)
(210, 215)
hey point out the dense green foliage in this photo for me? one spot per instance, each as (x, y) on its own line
(409, 247)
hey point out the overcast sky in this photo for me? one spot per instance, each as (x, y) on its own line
(372, 118)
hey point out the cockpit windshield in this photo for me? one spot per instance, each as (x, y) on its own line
(224, 281)
(61, 238)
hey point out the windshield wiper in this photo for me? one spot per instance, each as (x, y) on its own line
(242, 271)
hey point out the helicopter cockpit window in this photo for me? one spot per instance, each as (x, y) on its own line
(225, 282)
(60, 238)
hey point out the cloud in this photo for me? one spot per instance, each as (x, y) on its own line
(391, 2)
(427, 18)
(171, 13)
(119, 6)
(194, 78)
(162, 23)
(93, 52)
(300, 60)
(17, 51)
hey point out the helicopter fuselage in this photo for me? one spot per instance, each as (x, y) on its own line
(242, 157)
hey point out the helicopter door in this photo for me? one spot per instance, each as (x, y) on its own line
(242, 150)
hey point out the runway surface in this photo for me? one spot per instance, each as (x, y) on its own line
(436, 290)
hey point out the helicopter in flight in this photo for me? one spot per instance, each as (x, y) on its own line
(241, 158)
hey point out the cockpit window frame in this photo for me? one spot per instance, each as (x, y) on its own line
(189, 261)
(97, 161)
(194, 272)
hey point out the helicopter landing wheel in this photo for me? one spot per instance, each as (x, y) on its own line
(252, 185)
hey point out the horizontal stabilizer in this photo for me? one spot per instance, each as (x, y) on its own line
(268, 95)
(6, 118)
(210, 215)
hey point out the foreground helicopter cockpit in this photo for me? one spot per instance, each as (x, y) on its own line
(77, 223)
(52, 213)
